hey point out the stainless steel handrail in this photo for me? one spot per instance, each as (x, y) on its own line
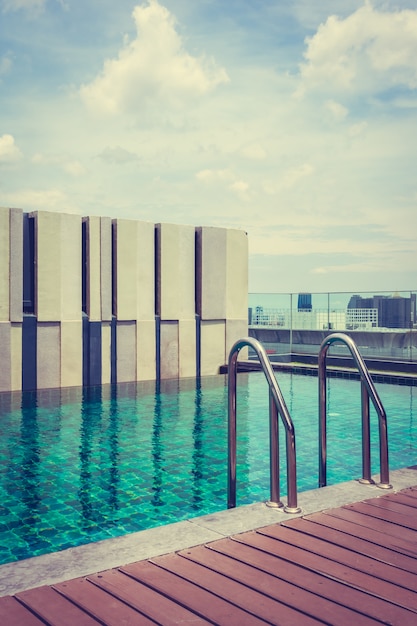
(276, 406)
(367, 390)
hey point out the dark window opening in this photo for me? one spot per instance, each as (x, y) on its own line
(84, 265)
(28, 264)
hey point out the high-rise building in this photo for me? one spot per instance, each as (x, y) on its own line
(392, 311)
(304, 302)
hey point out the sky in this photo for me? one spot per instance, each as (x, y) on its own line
(295, 121)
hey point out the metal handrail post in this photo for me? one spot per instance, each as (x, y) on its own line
(273, 453)
(280, 409)
(322, 417)
(231, 434)
(367, 386)
(366, 438)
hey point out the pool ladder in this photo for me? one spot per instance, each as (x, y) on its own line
(368, 390)
(277, 407)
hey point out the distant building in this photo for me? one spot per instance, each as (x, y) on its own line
(383, 311)
(304, 302)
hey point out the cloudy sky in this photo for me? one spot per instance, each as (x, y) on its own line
(293, 120)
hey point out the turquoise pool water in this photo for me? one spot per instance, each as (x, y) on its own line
(78, 466)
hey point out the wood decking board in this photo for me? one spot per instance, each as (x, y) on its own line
(352, 565)
(317, 528)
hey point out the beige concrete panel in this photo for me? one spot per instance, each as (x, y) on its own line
(213, 354)
(93, 269)
(16, 356)
(235, 330)
(4, 264)
(211, 272)
(48, 266)
(6, 356)
(169, 357)
(125, 232)
(126, 352)
(187, 348)
(16, 265)
(48, 360)
(71, 354)
(106, 268)
(176, 276)
(71, 274)
(105, 353)
(146, 350)
(146, 271)
(237, 275)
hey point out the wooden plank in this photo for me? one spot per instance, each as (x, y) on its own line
(342, 572)
(390, 530)
(245, 597)
(100, 604)
(321, 527)
(54, 608)
(370, 566)
(146, 600)
(302, 605)
(193, 597)
(404, 498)
(12, 613)
(334, 590)
(389, 516)
(389, 504)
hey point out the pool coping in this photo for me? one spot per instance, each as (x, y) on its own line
(110, 553)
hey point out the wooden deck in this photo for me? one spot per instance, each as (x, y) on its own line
(351, 565)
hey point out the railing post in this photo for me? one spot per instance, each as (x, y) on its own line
(274, 500)
(322, 417)
(231, 435)
(366, 438)
(276, 406)
(367, 390)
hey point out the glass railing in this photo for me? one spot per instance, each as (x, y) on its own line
(383, 324)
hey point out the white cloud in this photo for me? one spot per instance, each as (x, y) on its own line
(9, 152)
(254, 151)
(215, 175)
(70, 166)
(40, 199)
(154, 66)
(117, 155)
(369, 51)
(337, 110)
(293, 175)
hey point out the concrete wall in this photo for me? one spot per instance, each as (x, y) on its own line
(116, 300)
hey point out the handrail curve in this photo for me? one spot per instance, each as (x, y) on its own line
(277, 407)
(368, 390)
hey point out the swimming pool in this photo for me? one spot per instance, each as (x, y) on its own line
(78, 466)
